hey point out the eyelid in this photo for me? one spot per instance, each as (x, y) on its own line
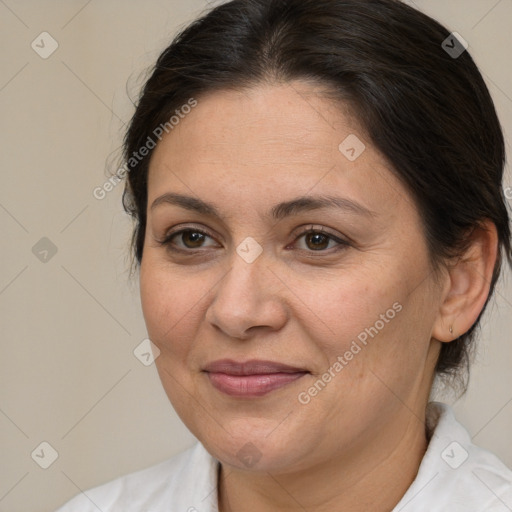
(305, 229)
(166, 240)
(342, 240)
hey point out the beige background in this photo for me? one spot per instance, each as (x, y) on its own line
(68, 375)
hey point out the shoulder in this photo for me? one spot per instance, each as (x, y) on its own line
(456, 475)
(186, 482)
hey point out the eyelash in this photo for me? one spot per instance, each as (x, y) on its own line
(167, 241)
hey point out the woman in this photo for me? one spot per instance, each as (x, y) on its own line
(319, 223)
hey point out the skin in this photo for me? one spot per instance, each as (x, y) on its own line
(358, 443)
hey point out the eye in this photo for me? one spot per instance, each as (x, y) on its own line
(318, 240)
(191, 238)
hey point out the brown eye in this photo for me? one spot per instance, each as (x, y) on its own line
(189, 239)
(192, 239)
(318, 240)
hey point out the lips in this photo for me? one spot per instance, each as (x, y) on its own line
(251, 378)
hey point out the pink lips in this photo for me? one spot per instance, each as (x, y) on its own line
(251, 378)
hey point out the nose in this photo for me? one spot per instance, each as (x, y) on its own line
(248, 299)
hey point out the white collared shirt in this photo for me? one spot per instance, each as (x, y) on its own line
(454, 476)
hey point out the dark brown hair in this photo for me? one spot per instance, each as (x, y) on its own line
(424, 107)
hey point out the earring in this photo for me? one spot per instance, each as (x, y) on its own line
(451, 329)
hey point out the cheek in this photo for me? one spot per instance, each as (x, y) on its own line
(384, 354)
(347, 306)
(170, 303)
(373, 322)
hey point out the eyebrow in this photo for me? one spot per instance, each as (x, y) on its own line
(277, 212)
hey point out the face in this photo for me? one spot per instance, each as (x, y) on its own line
(292, 333)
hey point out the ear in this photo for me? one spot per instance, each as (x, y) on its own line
(466, 284)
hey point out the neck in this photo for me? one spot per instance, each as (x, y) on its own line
(371, 475)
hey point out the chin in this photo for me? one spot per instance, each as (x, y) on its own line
(250, 445)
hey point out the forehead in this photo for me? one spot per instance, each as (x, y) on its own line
(266, 124)
(271, 138)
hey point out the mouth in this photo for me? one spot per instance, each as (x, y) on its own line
(251, 378)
